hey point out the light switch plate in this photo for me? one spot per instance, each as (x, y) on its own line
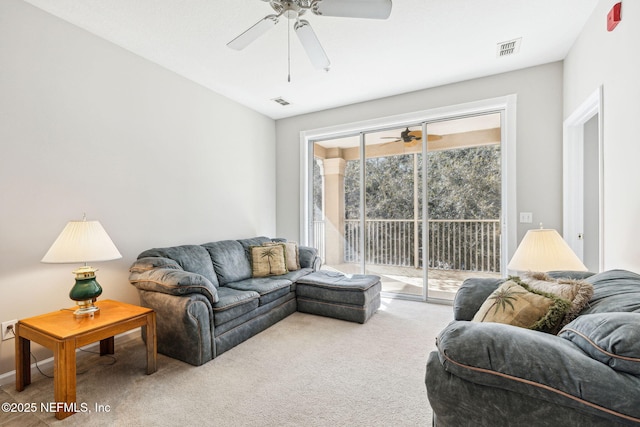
(526, 217)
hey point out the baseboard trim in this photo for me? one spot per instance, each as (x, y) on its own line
(10, 377)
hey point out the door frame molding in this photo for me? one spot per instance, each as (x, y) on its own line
(573, 174)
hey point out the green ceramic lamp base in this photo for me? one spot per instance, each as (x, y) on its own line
(85, 291)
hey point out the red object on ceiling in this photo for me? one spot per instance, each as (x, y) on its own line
(614, 17)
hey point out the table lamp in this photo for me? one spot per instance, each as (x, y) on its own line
(544, 250)
(82, 242)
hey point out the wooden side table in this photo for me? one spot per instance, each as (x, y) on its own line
(62, 332)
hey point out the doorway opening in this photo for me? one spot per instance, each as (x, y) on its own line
(583, 172)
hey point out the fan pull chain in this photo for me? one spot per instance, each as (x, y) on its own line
(288, 52)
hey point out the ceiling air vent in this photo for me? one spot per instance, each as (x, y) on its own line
(281, 101)
(509, 47)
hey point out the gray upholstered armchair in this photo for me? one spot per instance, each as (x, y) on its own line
(494, 374)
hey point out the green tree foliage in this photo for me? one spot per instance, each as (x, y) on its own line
(462, 184)
(389, 188)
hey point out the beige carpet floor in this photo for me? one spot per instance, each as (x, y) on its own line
(304, 371)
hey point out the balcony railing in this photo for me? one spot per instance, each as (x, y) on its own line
(468, 245)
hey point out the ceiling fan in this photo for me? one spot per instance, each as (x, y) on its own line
(294, 9)
(411, 137)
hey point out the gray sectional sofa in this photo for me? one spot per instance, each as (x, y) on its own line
(208, 299)
(205, 298)
(494, 374)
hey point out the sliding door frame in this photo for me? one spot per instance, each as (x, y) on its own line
(506, 105)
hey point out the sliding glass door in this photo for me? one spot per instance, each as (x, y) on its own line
(392, 213)
(369, 216)
(464, 202)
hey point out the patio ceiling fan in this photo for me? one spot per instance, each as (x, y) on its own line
(294, 9)
(411, 137)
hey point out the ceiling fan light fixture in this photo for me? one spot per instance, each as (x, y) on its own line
(369, 9)
(258, 29)
(311, 45)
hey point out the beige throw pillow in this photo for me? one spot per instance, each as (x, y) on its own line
(577, 292)
(516, 304)
(292, 254)
(268, 260)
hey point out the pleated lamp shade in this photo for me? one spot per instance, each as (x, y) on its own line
(82, 241)
(544, 250)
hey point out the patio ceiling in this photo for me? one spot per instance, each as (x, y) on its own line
(458, 133)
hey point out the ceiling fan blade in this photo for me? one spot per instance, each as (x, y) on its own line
(417, 135)
(370, 9)
(311, 44)
(258, 29)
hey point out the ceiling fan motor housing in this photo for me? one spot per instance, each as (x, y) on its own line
(290, 9)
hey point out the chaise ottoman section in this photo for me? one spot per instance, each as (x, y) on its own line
(354, 298)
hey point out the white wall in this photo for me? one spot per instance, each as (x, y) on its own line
(538, 146)
(612, 59)
(86, 126)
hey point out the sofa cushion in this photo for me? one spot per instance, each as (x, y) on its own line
(296, 275)
(193, 258)
(614, 291)
(515, 303)
(611, 338)
(309, 257)
(253, 241)
(569, 274)
(269, 288)
(229, 260)
(577, 292)
(268, 260)
(254, 320)
(233, 303)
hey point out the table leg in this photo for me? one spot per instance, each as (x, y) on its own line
(64, 376)
(107, 346)
(152, 344)
(23, 365)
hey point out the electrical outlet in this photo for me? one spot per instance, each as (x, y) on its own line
(9, 329)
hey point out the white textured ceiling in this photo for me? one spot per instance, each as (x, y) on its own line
(424, 43)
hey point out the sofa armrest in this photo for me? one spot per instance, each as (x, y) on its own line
(149, 263)
(173, 282)
(309, 258)
(537, 365)
(472, 293)
(184, 325)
